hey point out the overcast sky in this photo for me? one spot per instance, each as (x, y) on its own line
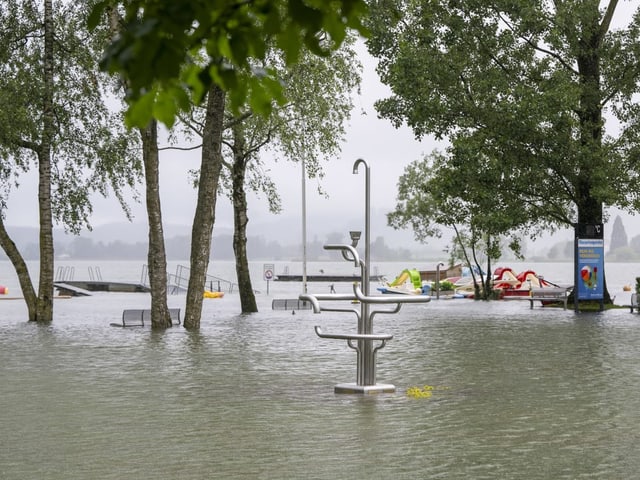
(387, 151)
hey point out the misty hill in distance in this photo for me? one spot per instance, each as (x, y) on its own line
(277, 238)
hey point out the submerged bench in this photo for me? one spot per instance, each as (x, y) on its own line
(290, 304)
(135, 317)
(551, 294)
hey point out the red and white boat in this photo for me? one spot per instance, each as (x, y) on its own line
(520, 285)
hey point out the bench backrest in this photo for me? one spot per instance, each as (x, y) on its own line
(290, 304)
(133, 317)
(136, 317)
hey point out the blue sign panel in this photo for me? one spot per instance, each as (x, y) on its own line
(590, 269)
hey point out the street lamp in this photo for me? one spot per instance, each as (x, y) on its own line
(355, 237)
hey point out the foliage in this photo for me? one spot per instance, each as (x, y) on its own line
(441, 191)
(425, 391)
(519, 88)
(444, 285)
(55, 116)
(92, 152)
(171, 52)
(309, 128)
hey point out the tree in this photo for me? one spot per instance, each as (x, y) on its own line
(160, 50)
(172, 55)
(54, 115)
(204, 217)
(443, 190)
(525, 84)
(308, 128)
(618, 235)
(156, 254)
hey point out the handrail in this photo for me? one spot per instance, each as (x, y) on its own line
(315, 299)
(353, 336)
(386, 298)
(354, 253)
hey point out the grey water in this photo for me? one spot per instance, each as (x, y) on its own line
(519, 393)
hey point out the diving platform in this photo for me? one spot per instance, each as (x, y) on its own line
(87, 287)
(287, 277)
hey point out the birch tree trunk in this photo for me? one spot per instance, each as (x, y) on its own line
(156, 257)
(204, 217)
(240, 220)
(44, 310)
(20, 266)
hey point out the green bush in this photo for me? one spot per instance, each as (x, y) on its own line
(444, 286)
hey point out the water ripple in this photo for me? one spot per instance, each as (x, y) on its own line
(543, 394)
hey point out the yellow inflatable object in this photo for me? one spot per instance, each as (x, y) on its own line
(208, 294)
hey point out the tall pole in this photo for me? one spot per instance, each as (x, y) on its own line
(368, 369)
(304, 228)
(440, 264)
(367, 223)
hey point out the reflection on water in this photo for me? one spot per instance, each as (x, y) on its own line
(531, 394)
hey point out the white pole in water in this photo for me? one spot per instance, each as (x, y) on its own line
(304, 229)
(440, 264)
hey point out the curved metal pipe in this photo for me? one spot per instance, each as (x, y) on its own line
(317, 308)
(313, 300)
(355, 258)
(343, 310)
(388, 298)
(375, 312)
(367, 221)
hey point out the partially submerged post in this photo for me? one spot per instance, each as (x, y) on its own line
(362, 341)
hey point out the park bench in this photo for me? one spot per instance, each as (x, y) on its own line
(136, 317)
(290, 304)
(550, 295)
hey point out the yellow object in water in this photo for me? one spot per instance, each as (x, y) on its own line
(208, 294)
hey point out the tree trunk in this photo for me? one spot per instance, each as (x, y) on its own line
(156, 257)
(44, 310)
(240, 220)
(590, 209)
(22, 271)
(204, 218)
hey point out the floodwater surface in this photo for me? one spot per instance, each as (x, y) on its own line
(515, 393)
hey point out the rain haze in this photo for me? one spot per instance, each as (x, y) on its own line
(387, 151)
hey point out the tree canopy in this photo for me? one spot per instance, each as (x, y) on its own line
(443, 190)
(525, 84)
(55, 118)
(170, 52)
(91, 149)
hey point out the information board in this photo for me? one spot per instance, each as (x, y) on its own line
(590, 267)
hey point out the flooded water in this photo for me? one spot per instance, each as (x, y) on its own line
(518, 393)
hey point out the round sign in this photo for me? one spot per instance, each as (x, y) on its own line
(268, 274)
